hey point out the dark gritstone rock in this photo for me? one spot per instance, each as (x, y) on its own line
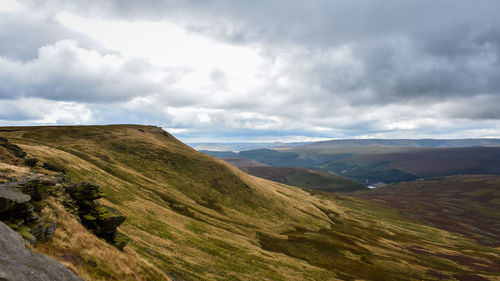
(84, 191)
(10, 197)
(20, 211)
(102, 220)
(19, 263)
(12, 148)
(38, 189)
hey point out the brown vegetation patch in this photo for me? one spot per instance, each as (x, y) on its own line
(461, 204)
(437, 274)
(469, 277)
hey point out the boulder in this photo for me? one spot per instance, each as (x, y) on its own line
(102, 220)
(37, 188)
(20, 211)
(12, 148)
(84, 191)
(107, 220)
(9, 197)
(19, 263)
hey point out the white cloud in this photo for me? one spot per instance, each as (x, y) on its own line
(268, 69)
(64, 71)
(10, 6)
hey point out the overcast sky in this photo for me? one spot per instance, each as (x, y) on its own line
(260, 70)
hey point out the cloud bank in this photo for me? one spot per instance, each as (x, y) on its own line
(255, 70)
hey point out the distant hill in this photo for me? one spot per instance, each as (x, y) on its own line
(346, 143)
(301, 177)
(241, 146)
(373, 164)
(416, 143)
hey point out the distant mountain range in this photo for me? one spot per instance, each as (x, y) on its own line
(421, 143)
(241, 146)
(371, 161)
(415, 143)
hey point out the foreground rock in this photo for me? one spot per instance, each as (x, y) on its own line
(19, 263)
(20, 206)
(10, 197)
(102, 220)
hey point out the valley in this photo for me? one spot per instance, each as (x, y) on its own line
(190, 216)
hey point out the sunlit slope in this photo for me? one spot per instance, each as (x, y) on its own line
(194, 217)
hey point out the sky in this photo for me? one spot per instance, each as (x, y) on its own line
(255, 71)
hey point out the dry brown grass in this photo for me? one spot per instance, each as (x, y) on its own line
(10, 172)
(88, 256)
(158, 183)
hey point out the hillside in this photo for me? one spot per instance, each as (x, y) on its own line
(464, 204)
(194, 217)
(373, 164)
(301, 177)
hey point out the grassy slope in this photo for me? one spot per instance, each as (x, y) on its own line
(201, 218)
(465, 204)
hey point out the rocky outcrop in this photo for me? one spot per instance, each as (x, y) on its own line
(102, 220)
(12, 148)
(19, 263)
(20, 205)
(10, 197)
(22, 202)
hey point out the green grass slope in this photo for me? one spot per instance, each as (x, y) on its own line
(194, 217)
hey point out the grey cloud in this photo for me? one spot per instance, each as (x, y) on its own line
(407, 49)
(13, 110)
(66, 72)
(399, 53)
(22, 34)
(478, 108)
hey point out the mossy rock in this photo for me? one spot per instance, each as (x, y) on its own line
(9, 197)
(89, 218)
(108, 217)
(6, 204)
(14, 223)
(38, 206)
(49, 229)
(25, 232)
(38, 189)
(120, 241)
(84, 191)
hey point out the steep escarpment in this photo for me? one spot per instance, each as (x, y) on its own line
(193, 217)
